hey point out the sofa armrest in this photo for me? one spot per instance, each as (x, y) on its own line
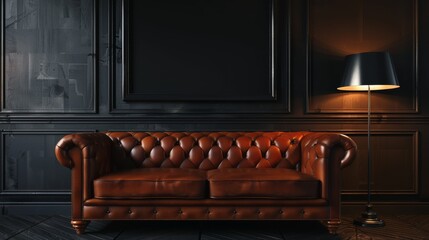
(323, 155)
(88, 155)
(90, 145)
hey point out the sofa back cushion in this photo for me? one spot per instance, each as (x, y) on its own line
(207, 150)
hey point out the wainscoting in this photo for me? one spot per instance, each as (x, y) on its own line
(97, 65)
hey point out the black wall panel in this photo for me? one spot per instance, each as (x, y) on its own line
(48, 63)
(199, 50)
(27, 161)
(170, 65)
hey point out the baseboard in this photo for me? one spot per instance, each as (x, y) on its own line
(36, 209)
(386, 208)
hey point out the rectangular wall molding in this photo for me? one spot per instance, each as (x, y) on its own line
(394, 159)
(48, 56)
(32, 171)
(161, 89)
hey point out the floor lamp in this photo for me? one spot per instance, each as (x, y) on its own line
(370, 71)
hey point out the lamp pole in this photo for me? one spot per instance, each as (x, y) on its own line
(369, 216)
(369, 145)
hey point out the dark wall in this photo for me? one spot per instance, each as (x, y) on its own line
(261, 65)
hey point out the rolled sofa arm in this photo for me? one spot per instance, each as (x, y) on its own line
(95, 146)
(88, 155)
(323, 154)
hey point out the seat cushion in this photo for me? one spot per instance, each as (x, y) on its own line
(271, 183)
(145, 183)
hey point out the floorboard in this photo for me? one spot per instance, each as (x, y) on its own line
(13, 225)
(419, 221)
(164, 230)
(234, 230)
(306, 230)
(58, 227)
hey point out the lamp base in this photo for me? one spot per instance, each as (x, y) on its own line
(369, 219)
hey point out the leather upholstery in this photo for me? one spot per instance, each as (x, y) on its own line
(205, 213)
(209, 150)
(313, 156)
(318, 148)
(208, 202)
(272, 183)
(152, 183)
(88, 155)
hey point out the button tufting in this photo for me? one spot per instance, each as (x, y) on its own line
(180, 211)
(107, 211)
(235, 211)
(129, 211)
(155, 212)
(281, 211)
(302, 212)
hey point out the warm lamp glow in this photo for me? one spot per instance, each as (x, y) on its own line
(365, 87)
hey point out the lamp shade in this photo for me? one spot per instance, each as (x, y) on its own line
(371, 69)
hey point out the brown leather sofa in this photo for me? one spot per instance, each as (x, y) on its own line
(205, 175)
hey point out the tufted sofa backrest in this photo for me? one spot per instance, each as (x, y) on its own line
(207, 150)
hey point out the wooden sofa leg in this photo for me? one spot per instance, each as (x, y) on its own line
(332, 225)
(79, 225)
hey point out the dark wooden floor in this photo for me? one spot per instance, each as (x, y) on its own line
(58, 227)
